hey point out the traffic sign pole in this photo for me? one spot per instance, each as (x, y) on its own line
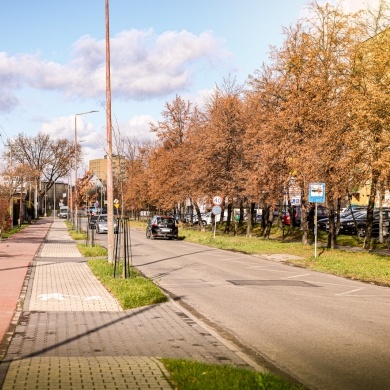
(216, 210)
(316, 195)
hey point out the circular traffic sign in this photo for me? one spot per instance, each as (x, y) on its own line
(217, 200)
(216, 210)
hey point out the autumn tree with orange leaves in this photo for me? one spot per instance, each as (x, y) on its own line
(169, 165)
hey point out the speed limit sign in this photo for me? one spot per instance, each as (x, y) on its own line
(217, 200)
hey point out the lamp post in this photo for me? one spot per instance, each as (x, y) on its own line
(75, 162)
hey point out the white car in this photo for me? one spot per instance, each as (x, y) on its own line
(64, 212)
(207, 218)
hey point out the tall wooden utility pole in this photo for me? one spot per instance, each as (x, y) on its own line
(110, 195)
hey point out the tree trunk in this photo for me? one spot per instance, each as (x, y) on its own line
(249, 221)
(229, 218)
(200, 224)
(332, 229)
(370, 210)
(269, 220)
(253, 213)
(304, 224)
(380, 215)
(241, 220)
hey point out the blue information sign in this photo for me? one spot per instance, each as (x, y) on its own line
(317, 192)
(216, 210)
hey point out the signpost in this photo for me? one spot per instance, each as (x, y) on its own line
(316, 195)
(216, 210)
(116, 205)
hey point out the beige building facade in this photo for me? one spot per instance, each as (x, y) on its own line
(99, 167)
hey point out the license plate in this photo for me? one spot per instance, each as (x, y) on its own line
(166, 230)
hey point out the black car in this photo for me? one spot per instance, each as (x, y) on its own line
(359, 226)
(162, 227)
(323, 223)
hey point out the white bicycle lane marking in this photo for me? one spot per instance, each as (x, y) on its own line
(61, 297)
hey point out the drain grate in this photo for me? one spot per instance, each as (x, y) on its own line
(289, 283)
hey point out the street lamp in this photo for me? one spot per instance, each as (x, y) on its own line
(75, 161)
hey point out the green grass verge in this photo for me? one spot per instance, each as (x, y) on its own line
(92, 251)
(134, 291)
(367, 267)
(191, 375)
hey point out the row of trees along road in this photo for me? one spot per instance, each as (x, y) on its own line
(317, 112)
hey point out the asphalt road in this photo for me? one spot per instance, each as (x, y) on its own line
(327, 332)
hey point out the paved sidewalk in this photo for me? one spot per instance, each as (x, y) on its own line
(68, 332)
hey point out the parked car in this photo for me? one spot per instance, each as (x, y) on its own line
(348, 210)
(101, 224)
(323, 223)
(188, 218)
(322, 212)
(64, 212)
(92, 221)
(162, 227)
(204, 218)
(207, 218)
(359, 225)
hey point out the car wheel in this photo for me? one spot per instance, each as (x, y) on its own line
(204, 223)
(361, 231)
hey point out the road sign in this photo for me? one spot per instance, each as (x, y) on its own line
(216, 210)
(217, 200)
(317, 192)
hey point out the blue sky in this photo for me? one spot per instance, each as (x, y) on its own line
(52, 59)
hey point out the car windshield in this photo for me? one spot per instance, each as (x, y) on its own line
(165, 221)
(357, 215)
(102, 219)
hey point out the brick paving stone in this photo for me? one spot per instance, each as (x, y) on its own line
(68, 286)
(103, 372)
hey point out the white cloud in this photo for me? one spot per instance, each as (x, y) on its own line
(356, 5)
(138, 127)
(143, 65)
(92, 141)
(89, 138)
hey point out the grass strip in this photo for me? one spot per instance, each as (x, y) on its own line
(367, 267)
(92, 251)
(192, 375)
(132, 292)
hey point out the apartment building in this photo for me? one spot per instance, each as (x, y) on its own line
(99, 167)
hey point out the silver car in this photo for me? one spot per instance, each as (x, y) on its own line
(101, 224)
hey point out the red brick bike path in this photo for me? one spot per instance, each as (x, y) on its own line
(16, 254)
